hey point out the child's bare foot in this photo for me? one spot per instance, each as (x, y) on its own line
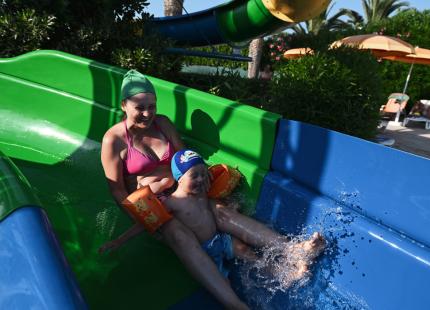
(310, 249)
(297, 259)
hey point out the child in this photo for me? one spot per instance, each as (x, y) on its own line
(190, 204)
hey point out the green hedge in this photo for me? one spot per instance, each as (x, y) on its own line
(216, 62)
(228, 85)
(335, 89)
(109, 31)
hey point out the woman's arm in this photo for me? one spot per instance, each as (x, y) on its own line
(157, 183)
(169, 130)
(112, 165)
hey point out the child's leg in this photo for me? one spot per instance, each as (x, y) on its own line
(244, 228)
(258, 235)
(242, 250)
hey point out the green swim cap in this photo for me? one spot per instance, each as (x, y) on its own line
(134, 83)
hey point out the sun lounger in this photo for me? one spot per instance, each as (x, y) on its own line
(420, 113)
(395, 102)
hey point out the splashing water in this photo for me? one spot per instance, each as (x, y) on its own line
(271, 282)
(106, 221)
(276, 271)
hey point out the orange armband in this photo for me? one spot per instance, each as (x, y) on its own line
(147, 209)
(224, 180)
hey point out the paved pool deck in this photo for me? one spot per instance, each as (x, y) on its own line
(412, 139)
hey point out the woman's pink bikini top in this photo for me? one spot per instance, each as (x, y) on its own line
(139, 163)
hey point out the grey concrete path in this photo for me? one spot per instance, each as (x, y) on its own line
(413, 139)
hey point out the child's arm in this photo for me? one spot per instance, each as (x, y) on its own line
(116, 243)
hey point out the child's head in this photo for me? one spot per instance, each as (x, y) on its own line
(189, 169)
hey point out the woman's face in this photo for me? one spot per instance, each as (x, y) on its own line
(140, 109)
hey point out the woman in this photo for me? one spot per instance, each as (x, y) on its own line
(137, 152)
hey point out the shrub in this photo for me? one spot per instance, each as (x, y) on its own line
(217, 62)
(228, 85)
(110, 31)
(23, 31)
(336, 89)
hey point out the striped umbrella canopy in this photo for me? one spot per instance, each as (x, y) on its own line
(295, 53)
(380, 45)
(421, 57)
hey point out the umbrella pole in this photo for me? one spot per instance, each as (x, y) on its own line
(404, 91)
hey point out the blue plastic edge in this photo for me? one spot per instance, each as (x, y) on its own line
(34, 271)
(373, 214)
(384, 184)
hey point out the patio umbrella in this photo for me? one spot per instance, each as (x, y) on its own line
(421, 56)
(379, 45)
(295, 53)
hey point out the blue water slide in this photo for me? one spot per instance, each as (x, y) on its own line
(34, 272)
(236, 22)
(373, 205)
(195, 29)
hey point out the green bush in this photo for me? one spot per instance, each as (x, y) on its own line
(110, 31)
(216, 62)
(336, 89)
(23, 31)
(228, 85)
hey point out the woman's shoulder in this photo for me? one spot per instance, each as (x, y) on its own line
(163, 120)
(114, 134)
(164, 123)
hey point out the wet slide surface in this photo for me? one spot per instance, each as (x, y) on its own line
(375, 217)
(371, 202)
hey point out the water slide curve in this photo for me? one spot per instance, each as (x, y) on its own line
(237, 21)
(371, 202)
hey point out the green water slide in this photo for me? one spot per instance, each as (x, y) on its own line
(55, 108)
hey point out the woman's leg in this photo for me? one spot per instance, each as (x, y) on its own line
(186, 246)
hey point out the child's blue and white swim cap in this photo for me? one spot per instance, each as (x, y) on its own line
(183, 161)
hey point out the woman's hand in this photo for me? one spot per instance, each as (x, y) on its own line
(109, 246)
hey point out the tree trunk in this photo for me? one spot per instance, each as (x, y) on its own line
(255, 51)
(173, 7)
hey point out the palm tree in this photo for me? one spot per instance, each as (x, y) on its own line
(173, 7)
(375, 11)
(255, 52)
(355, 19)
(322, 21)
